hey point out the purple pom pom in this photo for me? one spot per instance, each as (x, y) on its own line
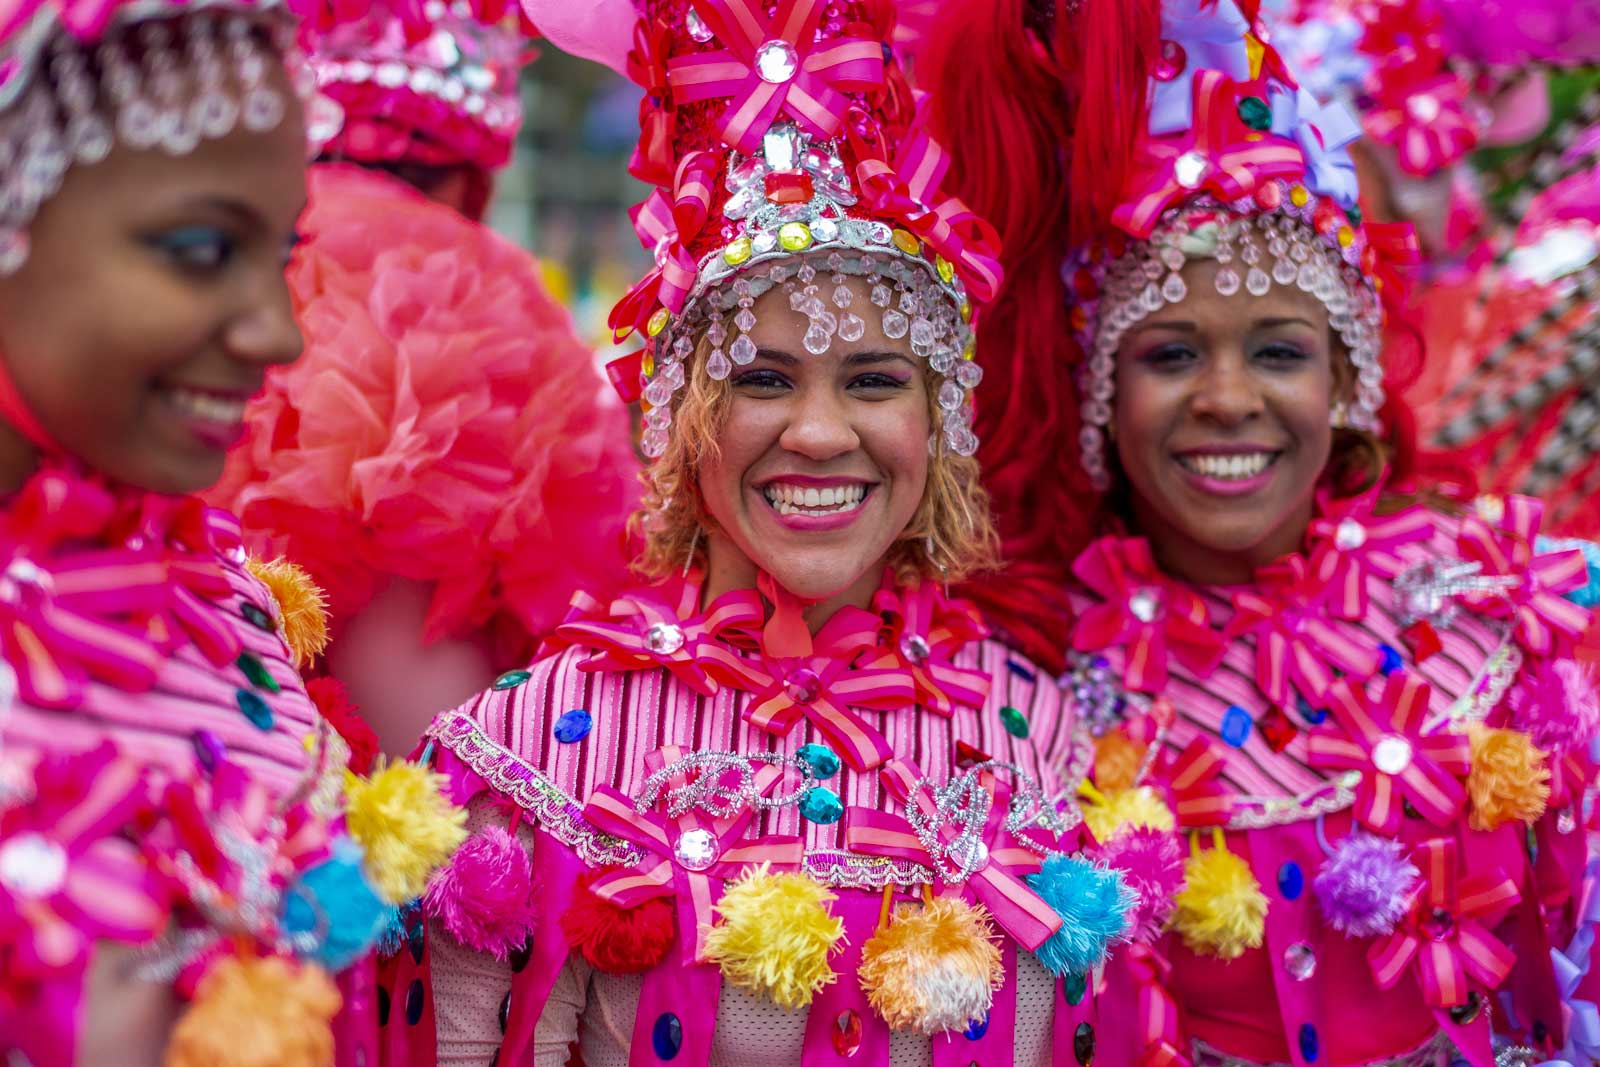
(1557, 706)
(1151, 862)
(1365, 887)
(484, 896)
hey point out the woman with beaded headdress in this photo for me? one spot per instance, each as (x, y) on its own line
(788, 802)
(1342, 751)
(170, 800)
(446, 437)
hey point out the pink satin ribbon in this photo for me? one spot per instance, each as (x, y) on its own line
(944, 626)
(1543, 618)
(1347, 568)
(666, 227)
(1192, 781)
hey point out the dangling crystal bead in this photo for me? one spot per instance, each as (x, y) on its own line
(816, 339)
(1173, 288)
(950, 396)
(969, 374)
(743, 350)
(1257, 282)
(842, 296)
(745, 319)
(1227, 281)
(880, 295)
(718, 366)
(852, 327)
(895, 325)
(921, 333)
(1283, 271)
(807, 273)
(658, 393)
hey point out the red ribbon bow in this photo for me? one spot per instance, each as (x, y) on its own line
(645, 629)
(1349, 543)
(1191, 780)
(926, 629)
(774, 65)
(1144, 612)
(1383, 739)
(188, 536)
(1535, 603)
(997, 883)
(687, 858)
(821, 687)
(666, 229)
(1447, 934)
(1216, 154)
(909, 191)
(1295, 644)
(1160, 1037)
(647, 67)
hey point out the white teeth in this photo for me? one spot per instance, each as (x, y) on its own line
(800, 500)
(207, 406)
(1233, 467)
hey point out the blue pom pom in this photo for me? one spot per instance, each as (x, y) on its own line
(1587, 596)
(333, 909)
(1093, 903)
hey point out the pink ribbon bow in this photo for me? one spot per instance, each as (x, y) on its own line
(647, 68)
(188, 537)
(1218, 154)
(926, 629)
(666, 228)
(1447, 934)
(1383, 739)
(1190, 779)
(1144, 612)
(996, 884)
(1535, 604)
(1296, 647)
(1428, 124)
(772, 66)
(69, 613)
(687, 858)
(1349, 543)
(909, 191)
(1160, 1038)
(821, 687)
(646, 629)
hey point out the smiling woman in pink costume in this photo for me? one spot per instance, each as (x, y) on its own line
(446, 460)
(169, 798)
(788, 802)
(1337, 716)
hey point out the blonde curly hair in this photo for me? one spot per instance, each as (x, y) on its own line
(950, 537)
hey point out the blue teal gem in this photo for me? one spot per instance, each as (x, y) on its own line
(821, 805)
(415, 997)
(258, 674)
(977, 1028)
(1291, 880)
(1236, 726)
(1310, 1045)
(1073, 987)
(257, 617)
(1391, 659)
(1021, 670)
(416, 936)
(1314, 716)
(255, 709)
(666, 1036)
(820, 758)
(573, 726)
(511, 679)
(1254, 113)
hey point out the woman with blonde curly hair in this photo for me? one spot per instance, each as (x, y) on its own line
(791, 771)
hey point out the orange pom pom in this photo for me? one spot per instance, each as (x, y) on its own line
(1116, 761)
(266, 1012)
(302, 607)
(1509, 781)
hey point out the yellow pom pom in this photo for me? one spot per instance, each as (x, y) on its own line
(257, 1013)
(775, 936)
(407, 825)
(1120, 809)
(1116, 760)
(1509, 781)
(933, 968)
(1221, 910)
(302, 605)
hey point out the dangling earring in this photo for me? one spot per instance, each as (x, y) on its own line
(1339, 417)
(688, 560)
(943, 570)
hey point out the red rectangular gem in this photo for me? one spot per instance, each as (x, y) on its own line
(789, 187)
(1423, 640)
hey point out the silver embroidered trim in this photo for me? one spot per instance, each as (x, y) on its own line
(1425, 1055)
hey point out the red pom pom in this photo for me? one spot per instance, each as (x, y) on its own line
(617, 940)
(329, 695)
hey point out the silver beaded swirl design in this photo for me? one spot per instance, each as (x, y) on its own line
(964, 802)
(1425, 592)
(166, 81)
(1279, 247)
(707, 789)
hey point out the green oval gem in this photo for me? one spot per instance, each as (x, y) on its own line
(1254, 113)
(821, 805)
(821, 760)
(511, 679)
(255, 709)
(1355, 214)
(1014, 721)
(257, 672)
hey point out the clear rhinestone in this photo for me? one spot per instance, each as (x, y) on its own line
(1190, 169)
(663, 638)
(31, 865)
(697, 26)
(1349, 535)
(1392, 754)
(1423, 107)
(777, 61)
(1145, 604)
(697, 849)
(1300, 960)
(915, 649)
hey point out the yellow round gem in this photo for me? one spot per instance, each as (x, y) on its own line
(737, 252)
(794, 236)
(907, 242)
(1299, 196)
(648, 365)
(971, 351)
(966, 311)
(1347, 237)
(658, 322)
(947, 270)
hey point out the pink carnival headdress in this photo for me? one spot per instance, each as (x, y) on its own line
(432, 83)
(788, 150)
(1231, 159)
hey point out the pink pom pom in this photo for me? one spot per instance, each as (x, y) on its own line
(1556, 705)
(484, 896)
(1151, 862)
